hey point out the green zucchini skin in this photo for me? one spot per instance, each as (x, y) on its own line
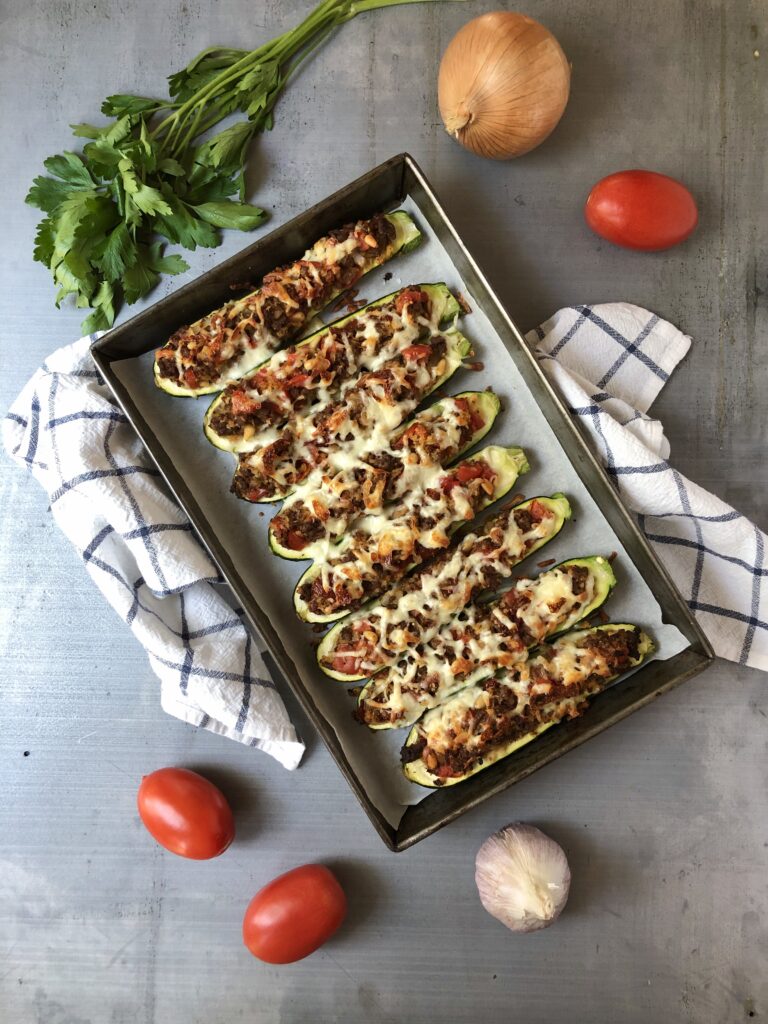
(558, 505)
(442, 300)
(604, 581)
(417, 772)
(482, 401)
(509, 463)
(407, 238)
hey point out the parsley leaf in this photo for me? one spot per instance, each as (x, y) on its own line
(119, 253)
(103, 314)
(70, 168)
(228, 214)
(117, 106)
(152, 170)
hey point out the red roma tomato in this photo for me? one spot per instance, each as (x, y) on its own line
(294, 914)
(641, 210)
(186, 813)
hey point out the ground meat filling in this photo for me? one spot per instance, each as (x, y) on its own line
(499, 721)
(250, 484)
(579, 577)
(289, 382)
(503, 640)
(371, 645)
(286, 462)
(413, 751)
(296, 528)
(281, 307)
(618, 646)
(388, 563)
(382, 229)
(368, 487)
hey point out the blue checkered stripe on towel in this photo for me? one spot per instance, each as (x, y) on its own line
(610, 362)
(140, 551)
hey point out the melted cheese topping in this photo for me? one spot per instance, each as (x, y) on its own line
(481, 640)
(239, 326)
(567, 664)
(363, 417)
(424, 519)
(333, 357)
(444, 587)
(348, 484)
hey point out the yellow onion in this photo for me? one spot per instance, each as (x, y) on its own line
(503, 84)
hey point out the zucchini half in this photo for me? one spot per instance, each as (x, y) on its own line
(485, 403)
(532, 715)
(508, 463)
(603, 582)
(407, 237)
(445, 309)
(561, 511)
(458, 348)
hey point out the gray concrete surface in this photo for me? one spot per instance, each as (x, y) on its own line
(663, 817)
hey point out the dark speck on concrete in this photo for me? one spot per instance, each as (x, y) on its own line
(388, 276)
(26, 753)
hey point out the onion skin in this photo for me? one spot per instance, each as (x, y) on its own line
(503, 85)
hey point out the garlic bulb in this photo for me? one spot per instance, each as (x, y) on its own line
(503, 84)
(522, 877)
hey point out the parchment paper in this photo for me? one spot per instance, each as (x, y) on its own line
(242, 528)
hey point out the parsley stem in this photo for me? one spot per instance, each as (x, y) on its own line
(279, 49)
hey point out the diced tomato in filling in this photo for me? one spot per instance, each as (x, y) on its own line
(314, 451)
(297, 381)
(258, 493)
(539, 511)
(466, 472)
(445, 771)
(190, 378)
(408, 296)
(416, 352)
(347, 664)
(476, 421)
(242, 403)
(294, 541)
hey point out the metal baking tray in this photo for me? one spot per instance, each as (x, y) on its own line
(384, 188)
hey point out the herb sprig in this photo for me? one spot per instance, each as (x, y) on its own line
(149, 173)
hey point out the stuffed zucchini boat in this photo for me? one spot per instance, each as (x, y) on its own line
(316, 368)
(361, 481)
(228, 342)
(379, 550)
(486, 722)
(485, 638)
(414, 611)
(371, 408)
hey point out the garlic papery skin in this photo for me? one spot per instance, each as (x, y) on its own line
(522, 877)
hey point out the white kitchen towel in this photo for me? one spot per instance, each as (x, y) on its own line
(609, 363)
(138, 547)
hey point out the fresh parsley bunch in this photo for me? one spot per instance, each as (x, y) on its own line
(147, 173)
